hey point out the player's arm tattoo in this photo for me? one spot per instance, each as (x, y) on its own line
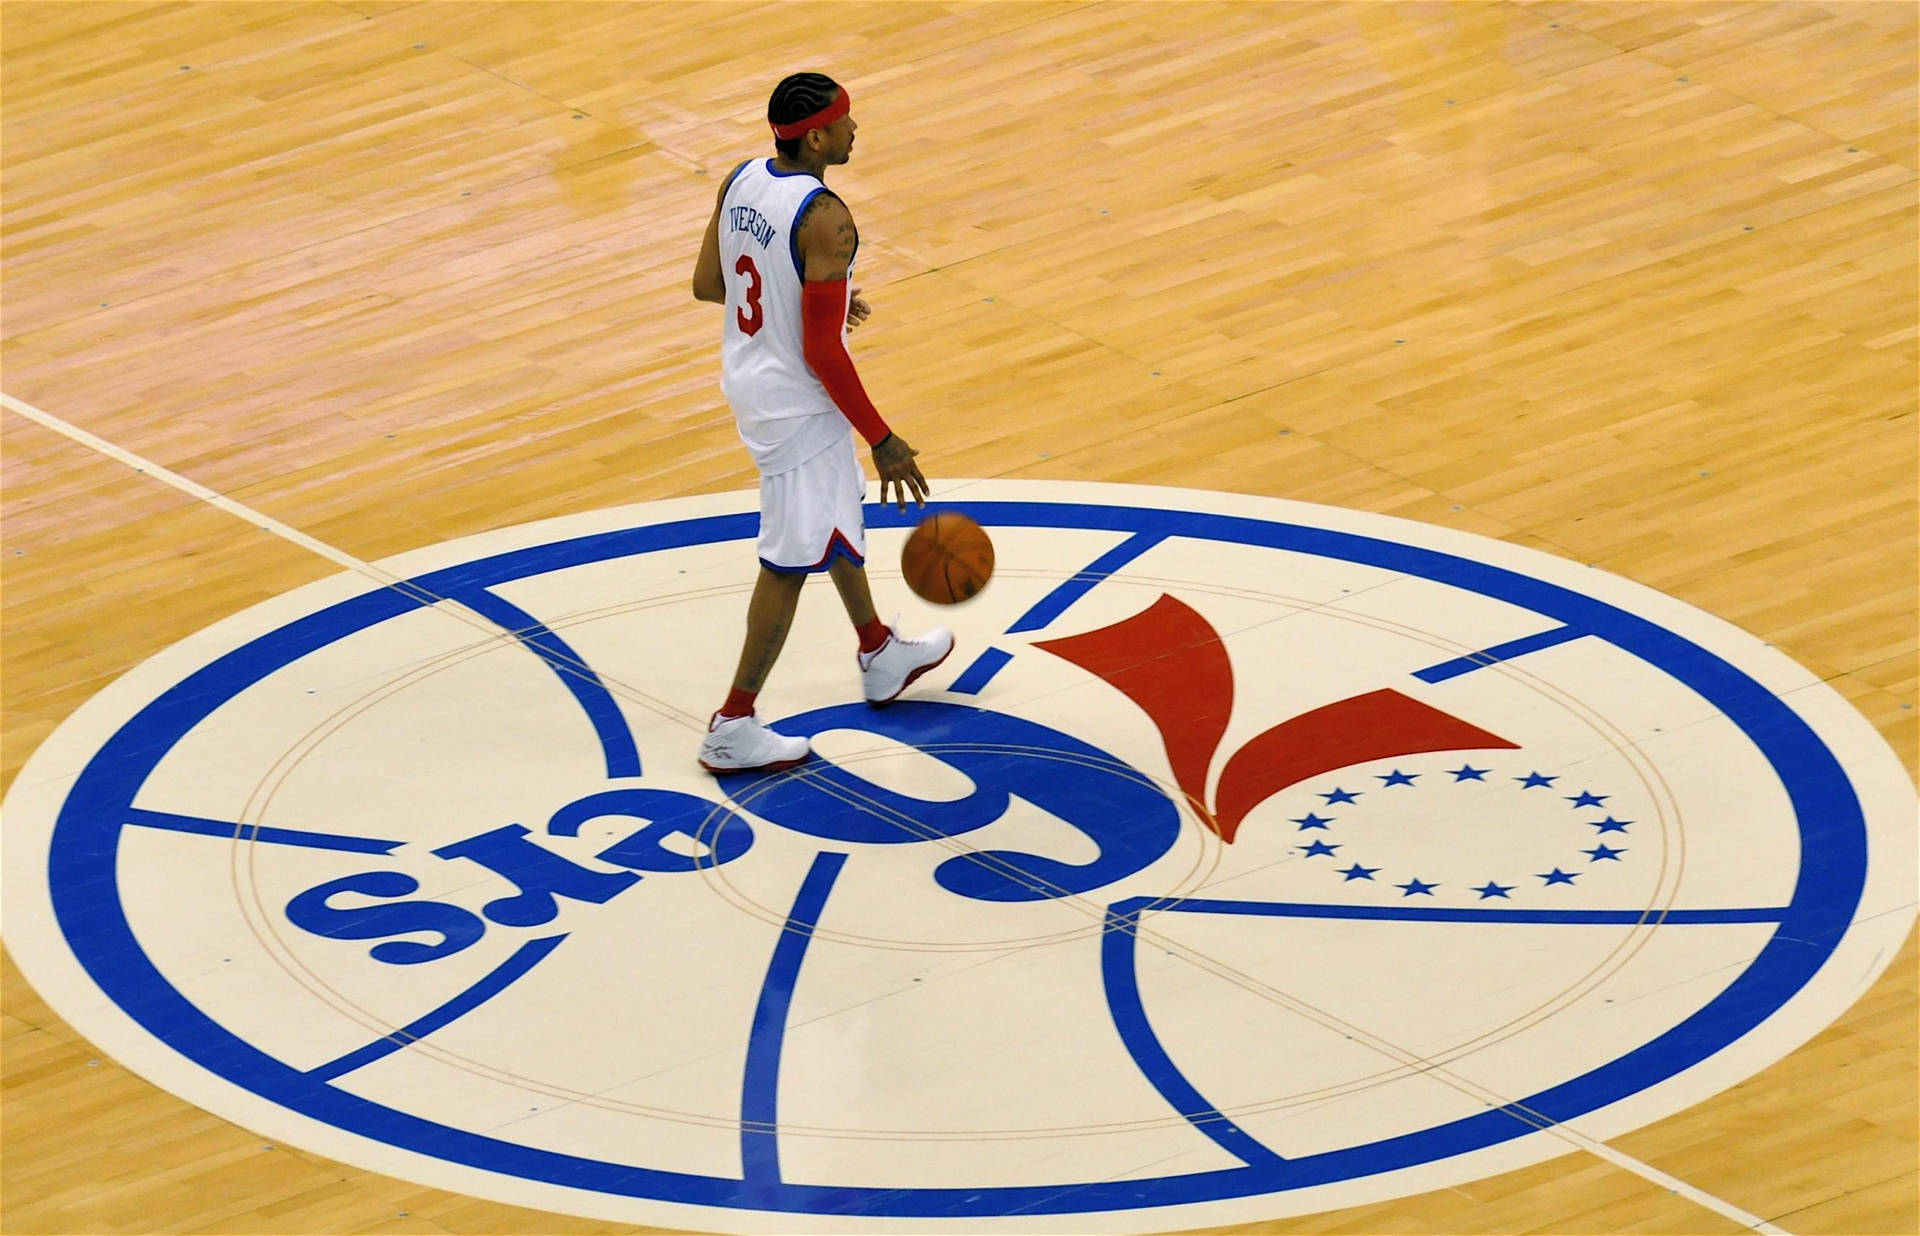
(828, 242)
(813, 203)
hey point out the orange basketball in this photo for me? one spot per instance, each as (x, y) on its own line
(947, 559)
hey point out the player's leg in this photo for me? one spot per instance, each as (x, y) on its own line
(736, 741)
(836, 490)
(888, 660)
(850, 580)
(793, 544)
(776, 597)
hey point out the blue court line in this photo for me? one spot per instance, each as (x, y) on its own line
(1129, 1012)
(490, 985)
(1441, 914)
(616, 740)
(1136, 1033)
(1498, 653)
(1055, 603)
(233, 831)
(977, 675)
(760, 1089)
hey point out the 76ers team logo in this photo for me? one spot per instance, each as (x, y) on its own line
(1247, 858)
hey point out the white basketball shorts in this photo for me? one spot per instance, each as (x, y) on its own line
(810, 514)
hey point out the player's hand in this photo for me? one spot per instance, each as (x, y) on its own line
(857, 309)
(899, 475)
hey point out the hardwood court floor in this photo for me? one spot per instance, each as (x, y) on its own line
(1630, 283)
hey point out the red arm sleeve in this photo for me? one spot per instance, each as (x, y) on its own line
(823, 313)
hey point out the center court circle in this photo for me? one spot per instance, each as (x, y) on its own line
(1693, 762)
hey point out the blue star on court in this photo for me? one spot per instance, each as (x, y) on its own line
(1467, 772)
(1586, 798)
(1396, 777)
(1533, 778)
(1490, 889)
(1416, 885)
(1602, 851)
(1557, 876)
(1310, 820)
(1357, 872)
(1339, 796)
(1610, 825)
(1318, 847)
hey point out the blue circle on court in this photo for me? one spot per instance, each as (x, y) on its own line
(82, 874)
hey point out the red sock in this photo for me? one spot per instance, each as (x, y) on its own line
(873, 633)
(739, 703)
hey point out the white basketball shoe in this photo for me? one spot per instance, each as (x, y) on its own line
(887, 670)
(743, 744)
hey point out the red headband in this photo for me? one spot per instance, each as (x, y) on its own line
(819, 120)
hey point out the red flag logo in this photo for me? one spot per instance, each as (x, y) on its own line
(1171, 662)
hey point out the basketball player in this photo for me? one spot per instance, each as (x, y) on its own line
(778, 254)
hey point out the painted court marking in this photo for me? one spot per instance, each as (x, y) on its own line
(485, 611)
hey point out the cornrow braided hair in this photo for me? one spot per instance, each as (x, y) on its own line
(796, 97)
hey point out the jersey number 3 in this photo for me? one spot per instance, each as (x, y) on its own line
(749, 315)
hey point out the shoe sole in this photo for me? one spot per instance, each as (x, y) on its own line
(915, 674)
(776, 766)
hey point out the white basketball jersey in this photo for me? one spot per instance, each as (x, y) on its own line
(784, 414)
